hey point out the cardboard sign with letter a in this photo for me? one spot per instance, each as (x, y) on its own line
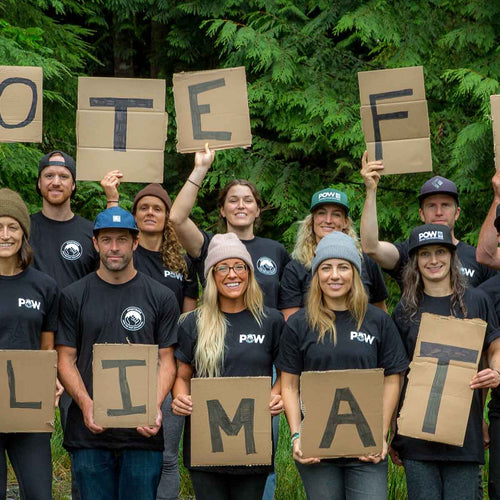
(495, 116)
(343, 413)
(394, 119)
(231, 421)
(438, 396)
(212, 106)
(121, 124)
(125, 384)
(21, 99)
(27, 390)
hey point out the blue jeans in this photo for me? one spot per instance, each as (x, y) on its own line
(117, 474)
(344, 480)
(440, 480)
(271, 479)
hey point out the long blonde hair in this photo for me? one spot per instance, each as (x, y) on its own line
(322, 319)
(211, 324)
(305, 243)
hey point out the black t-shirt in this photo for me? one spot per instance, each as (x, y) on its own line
(93, 311)
(478, 306)
(475, 272)
(63, 250)
(28, 307)
(269, 259)
(151, 263)
(249, 351)
(296, 280)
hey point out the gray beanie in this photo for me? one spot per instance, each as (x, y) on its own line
(226, 246)
(336, 245)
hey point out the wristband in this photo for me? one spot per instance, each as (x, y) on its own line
(194, 183)
(295, 436)
(112, 201)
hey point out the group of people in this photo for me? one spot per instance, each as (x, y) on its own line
(305, 307)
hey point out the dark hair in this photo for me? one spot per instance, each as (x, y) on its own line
(25, 253)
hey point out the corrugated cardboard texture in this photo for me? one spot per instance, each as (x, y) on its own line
(231, 393)
(212, 106)
(318, 437)
(140, 381)
(132, 142)
(495, 115)
(431, 413)
(403, 141)
(27, 389)
(21, 103)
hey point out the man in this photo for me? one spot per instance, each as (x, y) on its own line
(114, 463)
(439, 204)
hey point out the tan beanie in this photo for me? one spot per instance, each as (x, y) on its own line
(12, 205)
(153, 190)
(226, 246)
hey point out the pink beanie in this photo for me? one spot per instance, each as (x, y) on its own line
(226, 246)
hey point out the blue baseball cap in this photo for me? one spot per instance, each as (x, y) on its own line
(115, 218)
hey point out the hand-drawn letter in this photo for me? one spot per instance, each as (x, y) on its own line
(12, 389)
(34, 100)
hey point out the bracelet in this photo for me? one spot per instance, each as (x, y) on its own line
(192, 182)
(295, 436)
(112, 201)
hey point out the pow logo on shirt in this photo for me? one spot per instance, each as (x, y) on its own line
(266, 265)
(71, 250)
(132, 318)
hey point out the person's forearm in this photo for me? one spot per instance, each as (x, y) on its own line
(487, 251)
(276, 389)
(390, 400)
(47, 341)
(290, 396)
(166, 374)
(181, 386)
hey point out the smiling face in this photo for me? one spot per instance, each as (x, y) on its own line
(11, 237)
(56, 183)
(328, 218)
(240, 207)
(335, 278)
(231, 279)
(150, 215)
(115, 248)
(439, 209)
(434, 263)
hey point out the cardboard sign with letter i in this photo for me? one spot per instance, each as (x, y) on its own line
(394, 119)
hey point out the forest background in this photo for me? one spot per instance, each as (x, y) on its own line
(302, 59)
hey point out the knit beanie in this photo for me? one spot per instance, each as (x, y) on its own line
(336, 245)
(153, 190)
(226, 246)
(12, 205)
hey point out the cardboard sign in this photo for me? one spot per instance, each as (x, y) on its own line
(212, 106)
(343, 413)
(231, 422)
(21, 98)
(121, 124)
(394, 119)
(495, 116)
(125, 384)
(27, 390)
(438, 396)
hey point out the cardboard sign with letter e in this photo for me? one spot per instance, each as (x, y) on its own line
(121, 124)
(394, 119)
(343, 413)
(495, 115)
(212, 106)
(231, 421)
(125, 383)
(27, 390)
(21, 98)
(438, 396)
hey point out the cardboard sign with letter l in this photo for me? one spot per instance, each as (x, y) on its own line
(125, 385)
(27, 390)
(121, 123)
(231, 421)
(438, 396)
(394, 119)
(21, 99)
(495, 115)
(343, 413)
(212, 106)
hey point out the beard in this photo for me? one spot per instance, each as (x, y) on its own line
(118, 265)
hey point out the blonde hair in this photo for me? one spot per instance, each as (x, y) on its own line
(211, 324)
(305, 243)
(322, 319)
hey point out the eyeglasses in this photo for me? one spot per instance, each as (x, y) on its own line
(238, 269)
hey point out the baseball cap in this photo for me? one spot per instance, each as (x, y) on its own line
(430, 234)
(330, 196)
(115, 218)
(68, 162)
(438, 185)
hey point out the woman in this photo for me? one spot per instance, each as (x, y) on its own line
(159, 255)
(209, 347)
(432, 283)
(27, 329)
(318, 338)
(329, 212)
(239, 205)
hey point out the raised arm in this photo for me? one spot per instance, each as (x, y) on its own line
(110, 183)
(487, 251)
(382, 252)
(189, 235)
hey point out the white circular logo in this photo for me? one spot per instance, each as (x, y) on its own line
(267, 266)
(132, 318)
(71, 250)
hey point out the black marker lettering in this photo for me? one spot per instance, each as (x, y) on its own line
(11, 378)
(34, 100)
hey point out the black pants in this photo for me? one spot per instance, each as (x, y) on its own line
(216, 486)
(31, 459)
